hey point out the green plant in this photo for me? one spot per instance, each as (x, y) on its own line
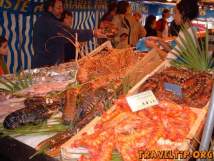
(192, 53)
(42, 150)
(20, 81)
(42, 128)
(126, 84)
(116, 156)
(123, 88)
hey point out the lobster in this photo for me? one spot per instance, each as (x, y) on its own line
(196, 86)
(89, 104)
(36, 110)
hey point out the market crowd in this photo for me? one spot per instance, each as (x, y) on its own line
(54, 41)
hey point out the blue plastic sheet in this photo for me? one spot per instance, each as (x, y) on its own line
(141, 45)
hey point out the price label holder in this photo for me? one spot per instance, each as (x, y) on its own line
(142, 100)
(175, 89)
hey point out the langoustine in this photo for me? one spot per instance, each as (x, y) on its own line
(113, 65)
(131, 132)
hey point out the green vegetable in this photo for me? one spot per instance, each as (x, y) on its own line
(19, 82)
(42, 128)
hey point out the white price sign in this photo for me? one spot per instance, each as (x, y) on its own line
(141, 101)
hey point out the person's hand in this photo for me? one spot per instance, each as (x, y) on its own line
(99, 33)
(153, 38)
(105, 24)
(151, 43)
(78, 46)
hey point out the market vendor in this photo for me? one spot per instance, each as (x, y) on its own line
(3, 52)
(48, 51)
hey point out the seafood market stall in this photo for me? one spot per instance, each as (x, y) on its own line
(166, 126)
(31, 97)
(45, 107)
(164, 111)
(109, 105)
(112, 104)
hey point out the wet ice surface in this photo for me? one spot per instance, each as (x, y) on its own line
(52, 82)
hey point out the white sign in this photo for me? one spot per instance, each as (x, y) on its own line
(76, 153)
(141, 101)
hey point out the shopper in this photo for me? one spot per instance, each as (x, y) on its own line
(123, 41)
(150, 26)
(82, 35)
(108, 16)
(162, 24)
(174, 29)
(3, 52)
(106, 21)
(185, 12)
(48, 52)
(122, 24)
(137, 30)
(137, 16)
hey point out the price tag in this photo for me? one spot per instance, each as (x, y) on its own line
(76, 153)
(142, 100)
(175, 89)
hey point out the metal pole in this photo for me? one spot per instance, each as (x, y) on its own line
(209, 125)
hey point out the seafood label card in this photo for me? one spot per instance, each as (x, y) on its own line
(141, 101)
(175, 89)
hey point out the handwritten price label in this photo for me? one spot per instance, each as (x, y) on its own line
(141, 101)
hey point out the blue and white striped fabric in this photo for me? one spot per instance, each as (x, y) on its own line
(10, 29)
(18, 29)
(87, 19)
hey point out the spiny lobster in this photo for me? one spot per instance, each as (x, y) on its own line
(37, 110)
(196, 86)
(89, 104)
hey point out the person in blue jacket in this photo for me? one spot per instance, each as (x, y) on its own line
(48, 51)
(83, 35)
(49, 42)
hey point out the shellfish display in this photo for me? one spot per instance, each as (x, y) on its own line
(101, 76)
(112, 65)
(196, 87)
(129, 132)
(36, 110)
(91, 103)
